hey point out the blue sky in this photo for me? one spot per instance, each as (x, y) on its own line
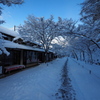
(16, 14)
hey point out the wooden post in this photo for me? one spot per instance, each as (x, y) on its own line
(21, 60)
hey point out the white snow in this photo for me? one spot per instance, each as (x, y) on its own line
(16, 38)
(10, 44)
(37, 83)
(43, 81)
(2, 48)
(85, 84)
(8, 32)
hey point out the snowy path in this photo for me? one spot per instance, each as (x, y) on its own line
(86, 85)
(39, 83)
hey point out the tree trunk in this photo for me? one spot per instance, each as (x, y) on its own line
(46, 56)
(75, 55)
(83, 55)
(90, 55)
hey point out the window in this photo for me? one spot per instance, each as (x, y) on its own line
(7, 37)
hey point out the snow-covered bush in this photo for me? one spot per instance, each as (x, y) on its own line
(2, 48)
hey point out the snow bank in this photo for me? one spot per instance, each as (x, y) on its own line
(86, 84)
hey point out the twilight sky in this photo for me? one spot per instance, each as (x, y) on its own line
(16, 14)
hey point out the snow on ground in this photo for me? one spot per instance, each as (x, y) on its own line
(95, 69)
(85, 83)
(38, 83)
(44, 81)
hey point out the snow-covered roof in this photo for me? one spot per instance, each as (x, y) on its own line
(14, 34)
(9, 32)
(37, 43)
(51, 51)
(10, 44)
(33, 42)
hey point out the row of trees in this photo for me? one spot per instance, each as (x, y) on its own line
(44, 30)
(80, 42)
(87, 46)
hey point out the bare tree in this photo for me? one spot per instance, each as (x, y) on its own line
(39, 29)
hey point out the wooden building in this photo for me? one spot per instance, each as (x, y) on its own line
(22, 53)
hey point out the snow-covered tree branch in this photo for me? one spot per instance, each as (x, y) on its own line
(39, 29)
(7, 3)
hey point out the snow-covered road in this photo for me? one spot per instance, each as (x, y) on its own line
(38, 83)
(86, 85)
(44, 81)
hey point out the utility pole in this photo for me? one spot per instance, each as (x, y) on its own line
(14, 28)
